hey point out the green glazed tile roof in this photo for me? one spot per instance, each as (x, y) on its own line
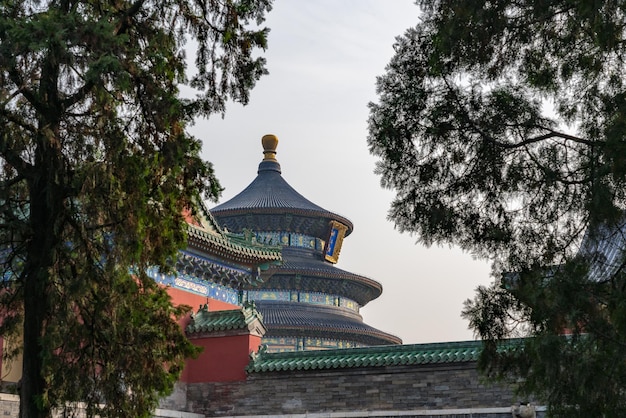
(204, 321)
(206, 235)
(233, 247)
(390, 355)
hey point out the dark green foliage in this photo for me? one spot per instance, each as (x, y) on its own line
(96, 168)
(501, 127)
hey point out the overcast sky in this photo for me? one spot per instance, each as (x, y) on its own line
(323, 59)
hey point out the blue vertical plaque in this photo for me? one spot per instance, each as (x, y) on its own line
(334, 241)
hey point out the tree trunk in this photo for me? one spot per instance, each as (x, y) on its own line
(33, 384)
(46, 212)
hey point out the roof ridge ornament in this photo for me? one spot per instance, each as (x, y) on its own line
(270, 143)
(269, 163)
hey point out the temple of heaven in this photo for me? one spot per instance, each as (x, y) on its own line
(307, 303)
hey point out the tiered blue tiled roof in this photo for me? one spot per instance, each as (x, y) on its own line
(270, 208)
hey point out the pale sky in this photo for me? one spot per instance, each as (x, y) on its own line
(323, 58)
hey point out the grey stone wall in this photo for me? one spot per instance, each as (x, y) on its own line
(436, 391)
(332, 392)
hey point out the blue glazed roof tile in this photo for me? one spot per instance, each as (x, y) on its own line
(605, 248)
(269, 193)
(298, 318)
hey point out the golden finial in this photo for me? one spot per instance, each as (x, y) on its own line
(270, 142)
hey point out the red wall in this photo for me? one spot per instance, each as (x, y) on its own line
(223, 359)
(182, 297)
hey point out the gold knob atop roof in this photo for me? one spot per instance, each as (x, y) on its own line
(270, 142)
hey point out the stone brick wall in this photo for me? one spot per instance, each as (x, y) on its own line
(394, 389)
(434, 391)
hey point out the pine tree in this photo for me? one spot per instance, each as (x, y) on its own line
(500, 125)
(96, 167)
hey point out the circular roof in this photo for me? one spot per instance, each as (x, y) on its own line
(303, 270)
(299, 319)
(269, 197)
